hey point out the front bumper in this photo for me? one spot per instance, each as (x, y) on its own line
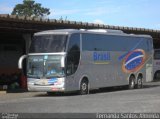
(52, 88)
(49, 85)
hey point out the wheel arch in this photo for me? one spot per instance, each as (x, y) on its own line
(140, 75)
(132, 74)
(155, 73)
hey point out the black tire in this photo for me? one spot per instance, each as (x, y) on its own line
(139, 82)
(131, 82)
(84, 87)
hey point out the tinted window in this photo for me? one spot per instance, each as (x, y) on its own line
(157, 54)
(48, 43)
(97, 42)
(73, 54)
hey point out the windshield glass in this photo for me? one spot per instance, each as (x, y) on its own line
(47, 66)
(48, 43)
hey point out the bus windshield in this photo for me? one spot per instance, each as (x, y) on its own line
(48, 43)
(44, 67)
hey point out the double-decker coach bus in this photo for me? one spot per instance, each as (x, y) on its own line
(80, 60)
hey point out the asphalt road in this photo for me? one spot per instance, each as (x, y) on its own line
(108, 100)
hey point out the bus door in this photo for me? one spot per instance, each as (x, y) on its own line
(71, 67)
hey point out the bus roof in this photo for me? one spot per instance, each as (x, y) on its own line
(91, 31)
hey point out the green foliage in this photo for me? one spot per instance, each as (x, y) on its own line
(31, 9)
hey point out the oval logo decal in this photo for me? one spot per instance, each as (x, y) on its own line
(133, 61)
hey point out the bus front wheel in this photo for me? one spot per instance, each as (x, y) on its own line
(84, 87)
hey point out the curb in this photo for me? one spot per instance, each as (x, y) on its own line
(17, 91)
(3, 92)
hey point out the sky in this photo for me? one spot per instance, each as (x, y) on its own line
(128, 13)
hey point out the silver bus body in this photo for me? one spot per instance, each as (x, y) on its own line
(102, 58)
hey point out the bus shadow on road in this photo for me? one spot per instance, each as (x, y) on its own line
(150, 86)
(58, 94)
(120, 88)
(109, 89)
(97, 91)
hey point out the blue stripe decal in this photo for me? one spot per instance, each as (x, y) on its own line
(52, 80)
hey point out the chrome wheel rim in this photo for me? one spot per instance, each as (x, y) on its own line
(84, 86)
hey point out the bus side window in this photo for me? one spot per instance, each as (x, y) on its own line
(73, 54)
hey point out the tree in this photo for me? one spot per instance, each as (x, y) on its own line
(31, 9)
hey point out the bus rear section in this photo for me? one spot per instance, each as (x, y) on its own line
(116, 59)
